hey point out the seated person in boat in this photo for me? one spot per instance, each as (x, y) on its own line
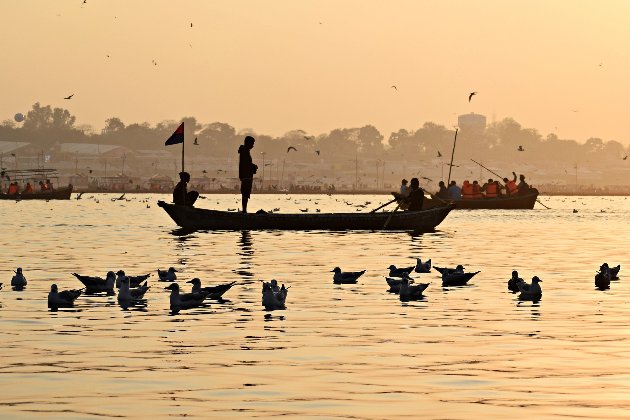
(476, 189)
(402, 195)
(415, 198)
(467, 190)
(49, 186)
(491, 188)
(181, 195)
(454, 192)
(510, 185)
(13, 188)
(523, 187)
(442, 193)
(28, 189)
(42, 187)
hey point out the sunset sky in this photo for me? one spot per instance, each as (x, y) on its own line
(273, 66)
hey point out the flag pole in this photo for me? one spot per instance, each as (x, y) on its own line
(450, 168)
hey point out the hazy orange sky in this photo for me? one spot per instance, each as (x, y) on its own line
(273, 66)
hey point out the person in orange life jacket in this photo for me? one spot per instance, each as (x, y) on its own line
(42, 186)
(476, 188)
(28, 189)
(49, 186)
(491, 188)
(510, 185)
(467, 190)
(13, 188)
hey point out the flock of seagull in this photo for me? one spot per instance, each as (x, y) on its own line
(131, 289)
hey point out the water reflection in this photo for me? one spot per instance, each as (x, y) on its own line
(246, 254)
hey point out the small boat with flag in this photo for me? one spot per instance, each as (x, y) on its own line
(194, 218)
(24, 184)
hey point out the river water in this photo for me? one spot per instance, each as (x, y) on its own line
(337, 351)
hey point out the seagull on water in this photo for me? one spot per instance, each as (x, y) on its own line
(398, 272)
(274, 297)
(63, 298)
(180, 301)
(167, 275)
(411, 291)
(127, 294)
(530, 291)
(514, 281)
(95, 284)
(134, 281)
(346, 277)
(422, 267)
(18, 280)
(214, 292)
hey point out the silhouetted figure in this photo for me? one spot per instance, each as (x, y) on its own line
(404, 189)
(246, 169)
(49, 186)
(523, 187)
(181, 195)
(470, 95)
(416, 195)
(442, 193)
(510, 185)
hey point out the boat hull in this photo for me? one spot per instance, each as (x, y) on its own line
(59, 194)
(204, 219)
(518, 202)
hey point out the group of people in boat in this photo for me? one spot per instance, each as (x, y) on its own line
(44, 187)
(491, 189)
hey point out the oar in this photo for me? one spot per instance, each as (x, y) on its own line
(390, 217)
(386, 204)
(540, 202)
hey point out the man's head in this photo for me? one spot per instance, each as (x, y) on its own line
(453, 183)
(505, 180)
(441, 184)
(249, 141)
(415, 184)
(404, 182)
(522, 177)
(184, 176)
(489, 180)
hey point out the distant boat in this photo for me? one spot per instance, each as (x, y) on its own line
(515, 202)
(204, 219)
(22, 176)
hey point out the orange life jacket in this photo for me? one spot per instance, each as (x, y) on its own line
(511, 188)
(13, 189)
(467, 190)
(477, 191)
(491, 190)
(28, 189)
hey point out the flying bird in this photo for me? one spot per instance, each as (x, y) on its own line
(291, 147)
(308, 137)
(520, 149)
(439, 154)
(191, 24)
(204, 172)
(625, 157)
(471, 95)
(69, 97)
(195, 142)
(394, 86)
(317, 151)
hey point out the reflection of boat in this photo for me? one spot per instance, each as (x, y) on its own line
(516, 202)
(195, 218)
(34, 176)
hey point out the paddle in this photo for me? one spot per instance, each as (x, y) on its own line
(540, 202)
(380, 207)
(390, 217)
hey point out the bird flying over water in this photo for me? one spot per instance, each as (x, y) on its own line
(520, 149)
(471, 95)
(625, 157)
(291, 148)
(394, 86)
(317, 151)
(69, 97)
(439, 154)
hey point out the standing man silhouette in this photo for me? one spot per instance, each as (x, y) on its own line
(246, 169)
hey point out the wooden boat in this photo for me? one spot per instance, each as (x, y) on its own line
(516, 202)
(33, 176)
(204, 219)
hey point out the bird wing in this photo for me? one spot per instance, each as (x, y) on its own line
(291, 148)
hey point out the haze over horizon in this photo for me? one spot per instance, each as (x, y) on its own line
(276, 66)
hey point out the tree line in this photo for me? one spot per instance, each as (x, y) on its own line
(504, 141)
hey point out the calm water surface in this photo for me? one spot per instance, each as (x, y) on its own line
(351, 351)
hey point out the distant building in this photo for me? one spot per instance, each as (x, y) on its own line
(71, 150)
(472, 122)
